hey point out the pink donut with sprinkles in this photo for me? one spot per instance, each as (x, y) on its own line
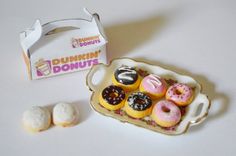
(181, 94)
(166, 114)
(154, 86)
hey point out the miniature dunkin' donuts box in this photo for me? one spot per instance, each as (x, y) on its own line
(63, 46)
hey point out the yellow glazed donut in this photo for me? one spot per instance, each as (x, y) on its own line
(138, 105)
(180, 94)
(126, 78)
(112, 97)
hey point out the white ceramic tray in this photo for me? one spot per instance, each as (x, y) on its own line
(194, 113)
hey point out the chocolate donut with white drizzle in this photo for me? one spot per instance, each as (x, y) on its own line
(126, 75)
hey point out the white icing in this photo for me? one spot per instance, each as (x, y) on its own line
(125, 68)
(64, 113)
(124, 74)
(155, 81)
(36, 118)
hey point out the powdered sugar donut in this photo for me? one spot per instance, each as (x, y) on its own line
(154, 86)
(64, 115)
(36, 119)
(166, 114)
(181, 94)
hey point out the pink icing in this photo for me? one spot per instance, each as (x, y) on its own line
(183, 97)
(173, 114)
(154, 84)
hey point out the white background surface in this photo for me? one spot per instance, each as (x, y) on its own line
(196, 38)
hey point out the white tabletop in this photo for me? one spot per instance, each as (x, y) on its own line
(196, 38)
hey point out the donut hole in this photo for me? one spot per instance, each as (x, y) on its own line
(140, 101)
(178, 92)
(165, 109)
(113, 95)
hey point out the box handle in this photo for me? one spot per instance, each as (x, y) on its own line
(204, 101)
(32, 35)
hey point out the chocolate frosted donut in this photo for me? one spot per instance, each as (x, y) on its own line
(138, 105)
(139, 101)
(113, 95)
(126, 75)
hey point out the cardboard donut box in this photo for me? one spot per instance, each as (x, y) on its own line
(63, 46)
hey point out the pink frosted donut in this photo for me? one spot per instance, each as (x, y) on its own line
(166, 114)
(180, 94)
(154, 86)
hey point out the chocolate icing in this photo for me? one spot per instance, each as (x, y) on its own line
(113, 94)
(126, 75)
(139, 101)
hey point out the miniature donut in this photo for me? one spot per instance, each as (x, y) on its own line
(138, 105)
(126, 78)
(112, 97)
(36, 119)
(166, 114)
(154, 86)
(64, 115)
(181, 94)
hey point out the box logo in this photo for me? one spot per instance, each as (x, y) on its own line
(43, 67)
(86, 41)
(66, 64)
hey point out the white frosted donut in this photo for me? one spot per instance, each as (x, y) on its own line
(64, 115)
(36, 119)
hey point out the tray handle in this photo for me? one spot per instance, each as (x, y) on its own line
(196, 119)
(90, 76)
